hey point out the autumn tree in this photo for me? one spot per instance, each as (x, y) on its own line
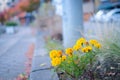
(32, 6)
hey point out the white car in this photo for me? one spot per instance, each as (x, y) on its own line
(112, 16)
(116, 17)
(98, 17)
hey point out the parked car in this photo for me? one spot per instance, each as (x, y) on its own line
(106, 16)
(116, 17)
(112, 16)
(98, 17)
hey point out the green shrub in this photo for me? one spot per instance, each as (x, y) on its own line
(108, 65)
(9, 24)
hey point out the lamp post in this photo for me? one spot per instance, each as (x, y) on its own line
(72, 21)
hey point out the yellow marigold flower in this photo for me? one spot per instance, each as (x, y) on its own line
(69, 51)
(78, 42)
(93, 42)
(85, 50)
(63, 58)
(89, 48)
(56, 61)
(81, 41)
(59, 53)
(53, 54)
(98, 45)
(76, 47)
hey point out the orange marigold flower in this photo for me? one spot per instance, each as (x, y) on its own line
(59, 53)
(69, 51)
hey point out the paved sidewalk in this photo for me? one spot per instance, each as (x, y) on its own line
(13, 50)
(41, 61)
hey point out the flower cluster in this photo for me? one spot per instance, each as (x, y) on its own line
(78, 58)
(56, 57)
(82, 45)
(86, 46)
(95, 43)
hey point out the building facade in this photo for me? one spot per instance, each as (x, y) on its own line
(5, 4)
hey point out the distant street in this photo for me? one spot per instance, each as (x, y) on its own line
(13, 48)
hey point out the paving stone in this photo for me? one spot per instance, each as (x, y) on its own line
(42, 72)
(44, 75)
(41, 60)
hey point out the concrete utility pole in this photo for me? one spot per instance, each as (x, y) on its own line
(72, 21)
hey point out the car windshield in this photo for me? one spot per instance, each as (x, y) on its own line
(101, 12)
(113, 12)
